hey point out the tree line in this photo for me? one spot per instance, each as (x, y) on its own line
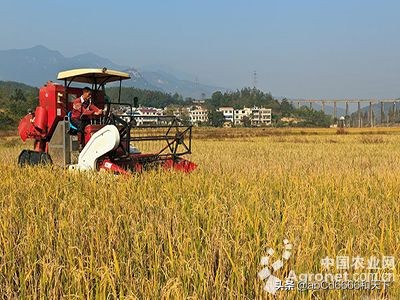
(17, 98)
(15, 101)
(281, 110)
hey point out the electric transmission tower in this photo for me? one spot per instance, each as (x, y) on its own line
(255, 79)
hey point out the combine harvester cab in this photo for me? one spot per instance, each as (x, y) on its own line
(121, 140)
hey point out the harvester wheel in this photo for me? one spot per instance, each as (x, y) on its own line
(33, 158)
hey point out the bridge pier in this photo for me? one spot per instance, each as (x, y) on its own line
(334, 110)
(371, 115)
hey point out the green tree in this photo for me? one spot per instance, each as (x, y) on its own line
(15, 100)
(312, 118)
(184, 116)
(6, 121)
(170, 110)
(216, 118)
(217, 99)
(286, 108)
(146, 97)
(246, 121)
(248, 97)
(18, 95)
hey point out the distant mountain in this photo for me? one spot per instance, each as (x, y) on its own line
(32, 66)
(91, 60)
(169, 70)
(138, 81)
(37, 65)
(167, 82)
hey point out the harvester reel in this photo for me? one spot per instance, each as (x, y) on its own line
(179, 139)
(106, 112)
(112, 119)
(109, 119)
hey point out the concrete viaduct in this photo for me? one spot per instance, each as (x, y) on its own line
(359, 102)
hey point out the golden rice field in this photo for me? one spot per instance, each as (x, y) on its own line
(166, 235)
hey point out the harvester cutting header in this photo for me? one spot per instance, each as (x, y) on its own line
(107, 136)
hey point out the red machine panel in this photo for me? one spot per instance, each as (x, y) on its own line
(52, 102)
(51, 98)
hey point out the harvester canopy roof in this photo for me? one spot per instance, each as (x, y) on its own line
(93, 76)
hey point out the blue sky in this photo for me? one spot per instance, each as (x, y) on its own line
(300, 49)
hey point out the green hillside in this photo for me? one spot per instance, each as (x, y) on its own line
(15, 100)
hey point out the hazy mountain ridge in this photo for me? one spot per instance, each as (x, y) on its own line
(167, 82)
(37, 65)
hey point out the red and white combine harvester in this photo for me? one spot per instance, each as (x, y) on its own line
(111, 141)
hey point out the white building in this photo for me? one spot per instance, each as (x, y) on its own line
(239, 114)
(261, 116)
(228, 113)
(257, 115)
(145, 115)
(198, 115)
